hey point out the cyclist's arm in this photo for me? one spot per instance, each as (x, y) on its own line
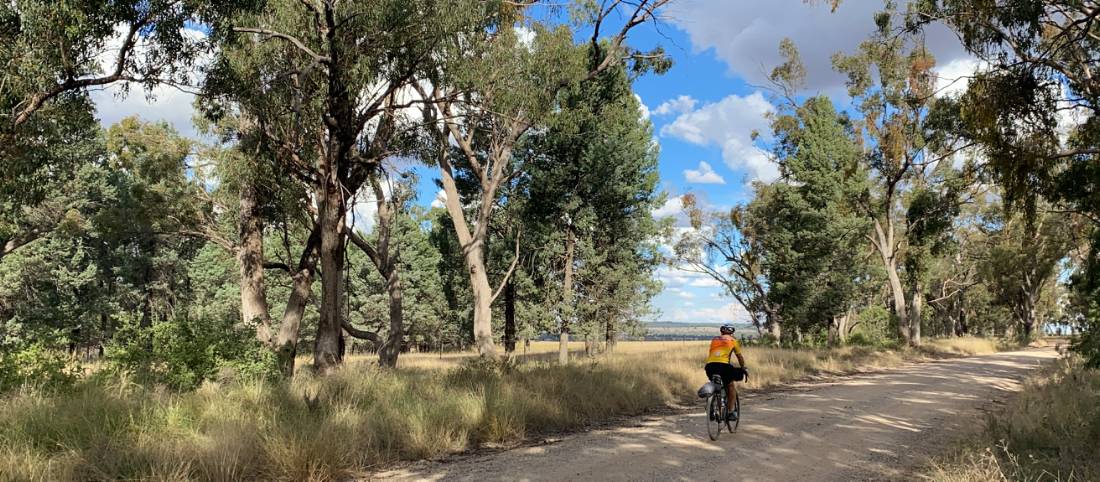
(737, 351)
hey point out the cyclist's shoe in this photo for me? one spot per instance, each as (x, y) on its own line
(732, 416)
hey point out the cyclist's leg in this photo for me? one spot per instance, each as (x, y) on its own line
(731, 388)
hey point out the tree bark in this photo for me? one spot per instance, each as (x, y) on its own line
(773, 324)
(510, 317)
(387, 355)
(610, 334)
(286, 343)
(385, 258)
(17, 241)
(327, 353)
(884, 244)
(565, 311)
(901, 311)
(838, 333)
(473, 246)
(483, 299)
(250, 261)
(1025, 310)
(915, 317)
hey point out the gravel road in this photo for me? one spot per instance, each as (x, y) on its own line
(874, 426)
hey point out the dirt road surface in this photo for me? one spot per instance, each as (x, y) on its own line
(875, 426)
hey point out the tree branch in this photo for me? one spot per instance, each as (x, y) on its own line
(39, 99)
(361, 334)
(507, 275)
(289, 38)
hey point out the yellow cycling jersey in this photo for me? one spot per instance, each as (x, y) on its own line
(721, 348)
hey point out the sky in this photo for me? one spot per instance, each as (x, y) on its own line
(703, 110)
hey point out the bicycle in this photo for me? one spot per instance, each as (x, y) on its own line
(718, 410)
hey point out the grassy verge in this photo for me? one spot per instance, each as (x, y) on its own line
(361, 417)
(1051, 431)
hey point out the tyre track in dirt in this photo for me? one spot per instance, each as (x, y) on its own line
(874, 426)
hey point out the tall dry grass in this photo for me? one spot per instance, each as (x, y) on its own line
(1050, 432)
(361, 417)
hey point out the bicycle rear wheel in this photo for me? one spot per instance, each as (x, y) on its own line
(736, 411)
(715, 417)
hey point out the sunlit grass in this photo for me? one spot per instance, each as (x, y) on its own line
(363, 417)
(1050, 432)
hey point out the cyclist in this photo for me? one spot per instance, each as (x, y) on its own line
(720, 361)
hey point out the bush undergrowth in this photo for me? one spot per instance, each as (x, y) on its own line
(107, 428)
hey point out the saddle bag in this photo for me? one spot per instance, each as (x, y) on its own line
(708, 389)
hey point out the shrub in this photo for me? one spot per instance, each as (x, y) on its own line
(184, 353)
(1087, 343)
(37, 365)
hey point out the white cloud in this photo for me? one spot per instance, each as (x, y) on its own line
(680, 105)
(162, 103)
(673, 206)
(730, 312)
(642, 108)
(525, 35)
(745, 34)
(729, 124)
(953, 78)
(1070, 116)
(704, 283)
(440, 199)
(676, 279)
(364, 207)
(703, 175)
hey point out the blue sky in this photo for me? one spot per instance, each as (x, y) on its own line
(703, 110)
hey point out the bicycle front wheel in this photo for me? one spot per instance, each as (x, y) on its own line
(715, 417)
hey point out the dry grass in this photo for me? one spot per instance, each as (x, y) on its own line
(547, 351)
(362, 417)
(1050, 432)
(966, 346)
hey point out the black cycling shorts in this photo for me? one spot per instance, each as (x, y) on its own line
(726, 371)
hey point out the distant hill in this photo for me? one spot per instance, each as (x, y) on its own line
(670, 330)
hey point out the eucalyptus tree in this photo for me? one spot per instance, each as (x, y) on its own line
(724, 246)
(491, 90)
(384, 252)
(321, 84)
(891, 79)
(1033, 110)
(52, 53)
(257, 204)
(1023, 262)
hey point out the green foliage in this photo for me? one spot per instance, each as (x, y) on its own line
(808, 224)
(591, 179)
(1039, 62)
(874, 328)
(39, 366)
(424, 302)
(183, 353)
